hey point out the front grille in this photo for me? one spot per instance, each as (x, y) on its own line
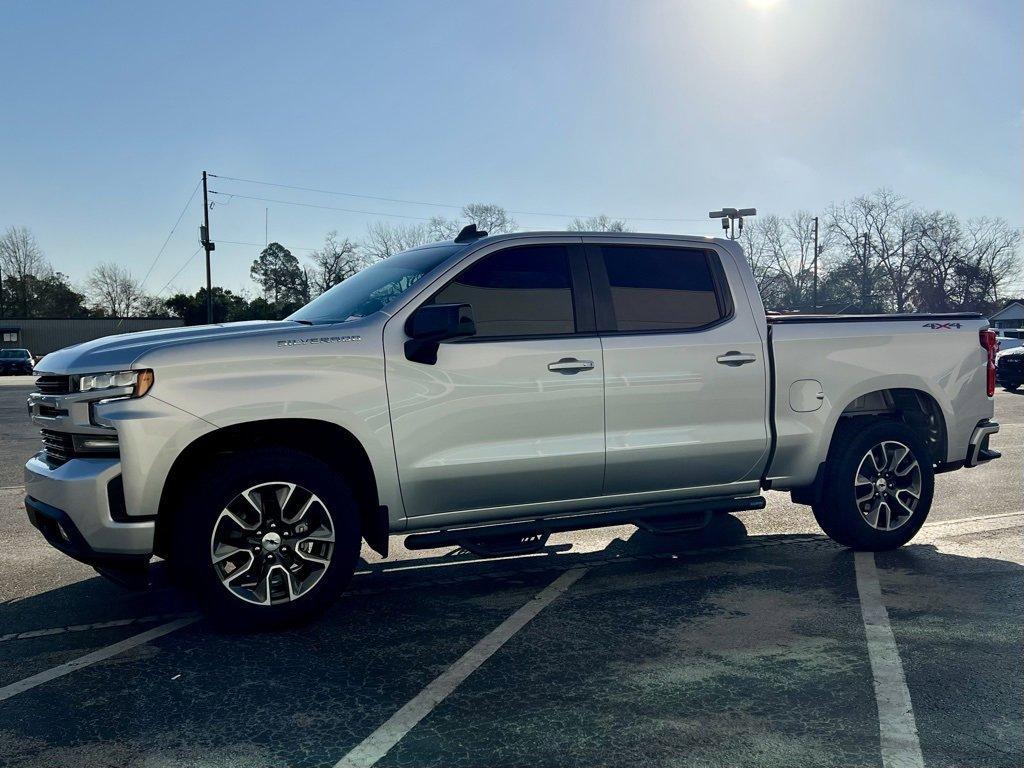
(54, 385)
(59, 447)
(1011, 363)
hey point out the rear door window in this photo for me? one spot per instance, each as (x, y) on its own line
(653, 288)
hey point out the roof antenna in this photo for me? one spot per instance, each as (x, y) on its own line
(470, 233)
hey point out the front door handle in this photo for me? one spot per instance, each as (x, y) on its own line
(735, 358)
(570, 365)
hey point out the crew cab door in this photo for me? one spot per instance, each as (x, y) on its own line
(685, 383)
(513, 415)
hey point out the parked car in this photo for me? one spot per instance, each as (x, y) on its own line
(485, 392)
(14, 362)
(1010, 368)
(1009, 338)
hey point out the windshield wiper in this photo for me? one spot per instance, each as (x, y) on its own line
(304, 322)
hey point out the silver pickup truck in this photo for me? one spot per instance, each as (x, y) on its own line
(485, 392)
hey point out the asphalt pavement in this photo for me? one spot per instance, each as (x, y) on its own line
(756, 642)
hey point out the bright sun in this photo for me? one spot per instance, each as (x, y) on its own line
(762, 5)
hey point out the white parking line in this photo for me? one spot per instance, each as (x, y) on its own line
(378, 743)
(896, 724)
(102, 654)
(49, 632)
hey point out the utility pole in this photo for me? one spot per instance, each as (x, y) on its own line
(204, 239)
(864, 278)
(815, 292)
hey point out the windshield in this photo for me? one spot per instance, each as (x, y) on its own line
(375, 287)
(17, 354)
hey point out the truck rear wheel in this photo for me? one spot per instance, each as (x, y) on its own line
(878, 486)
(266, 538)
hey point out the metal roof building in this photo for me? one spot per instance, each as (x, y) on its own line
(43, 335)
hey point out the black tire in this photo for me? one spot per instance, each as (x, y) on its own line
(199, 528)
(1011, 387)
(838, 512)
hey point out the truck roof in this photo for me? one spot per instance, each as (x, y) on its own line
(704, 239)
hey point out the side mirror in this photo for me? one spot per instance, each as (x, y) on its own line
(433, 323)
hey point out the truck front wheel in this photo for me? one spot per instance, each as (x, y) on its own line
(878, 486)
(266, 538)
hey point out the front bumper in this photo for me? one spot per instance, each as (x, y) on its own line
(81, 491)
(60, 532)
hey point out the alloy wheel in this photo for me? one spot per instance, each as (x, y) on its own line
(888, 485)
(272, 543)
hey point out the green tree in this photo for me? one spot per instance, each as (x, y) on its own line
(49, 294)
(280, 276)
(227, 307)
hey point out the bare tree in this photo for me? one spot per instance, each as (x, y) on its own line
(889, 264)
(879, 252)
(759, 249)
(489, 217)
(599, 223)
(940, 246)
(113, 290)
(337, 261)
(22, 259)
(993, 247)
(384, 240)
(441, 228)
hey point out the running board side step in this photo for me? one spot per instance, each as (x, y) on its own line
(525, 536)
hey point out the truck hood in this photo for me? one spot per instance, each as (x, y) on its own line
(112, 353)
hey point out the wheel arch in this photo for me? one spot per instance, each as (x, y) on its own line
(329, 442)
(914, 407)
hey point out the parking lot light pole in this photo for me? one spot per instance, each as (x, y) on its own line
(731, 217)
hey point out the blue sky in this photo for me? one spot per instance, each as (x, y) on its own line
(645, 109)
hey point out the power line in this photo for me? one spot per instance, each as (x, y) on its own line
(263, 245)
(180, 269)
(421, 202)
(341, 194)
(169, 235)
(322, 207)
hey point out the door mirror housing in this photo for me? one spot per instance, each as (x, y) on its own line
(433, 323)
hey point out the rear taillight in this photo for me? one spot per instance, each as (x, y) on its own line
(990, 344)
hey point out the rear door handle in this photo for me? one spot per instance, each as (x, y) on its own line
(570, 365)
(735, 358)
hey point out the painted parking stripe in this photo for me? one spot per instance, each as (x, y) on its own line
(102, 654)
(50, 631)
(896, 724)
(378, 743)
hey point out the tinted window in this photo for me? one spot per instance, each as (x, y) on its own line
(655, 289)
(375, 287)
(517, 292)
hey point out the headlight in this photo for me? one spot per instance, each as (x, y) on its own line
(139, 381)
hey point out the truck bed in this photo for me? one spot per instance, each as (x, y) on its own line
(823, 365)
(923, 316)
